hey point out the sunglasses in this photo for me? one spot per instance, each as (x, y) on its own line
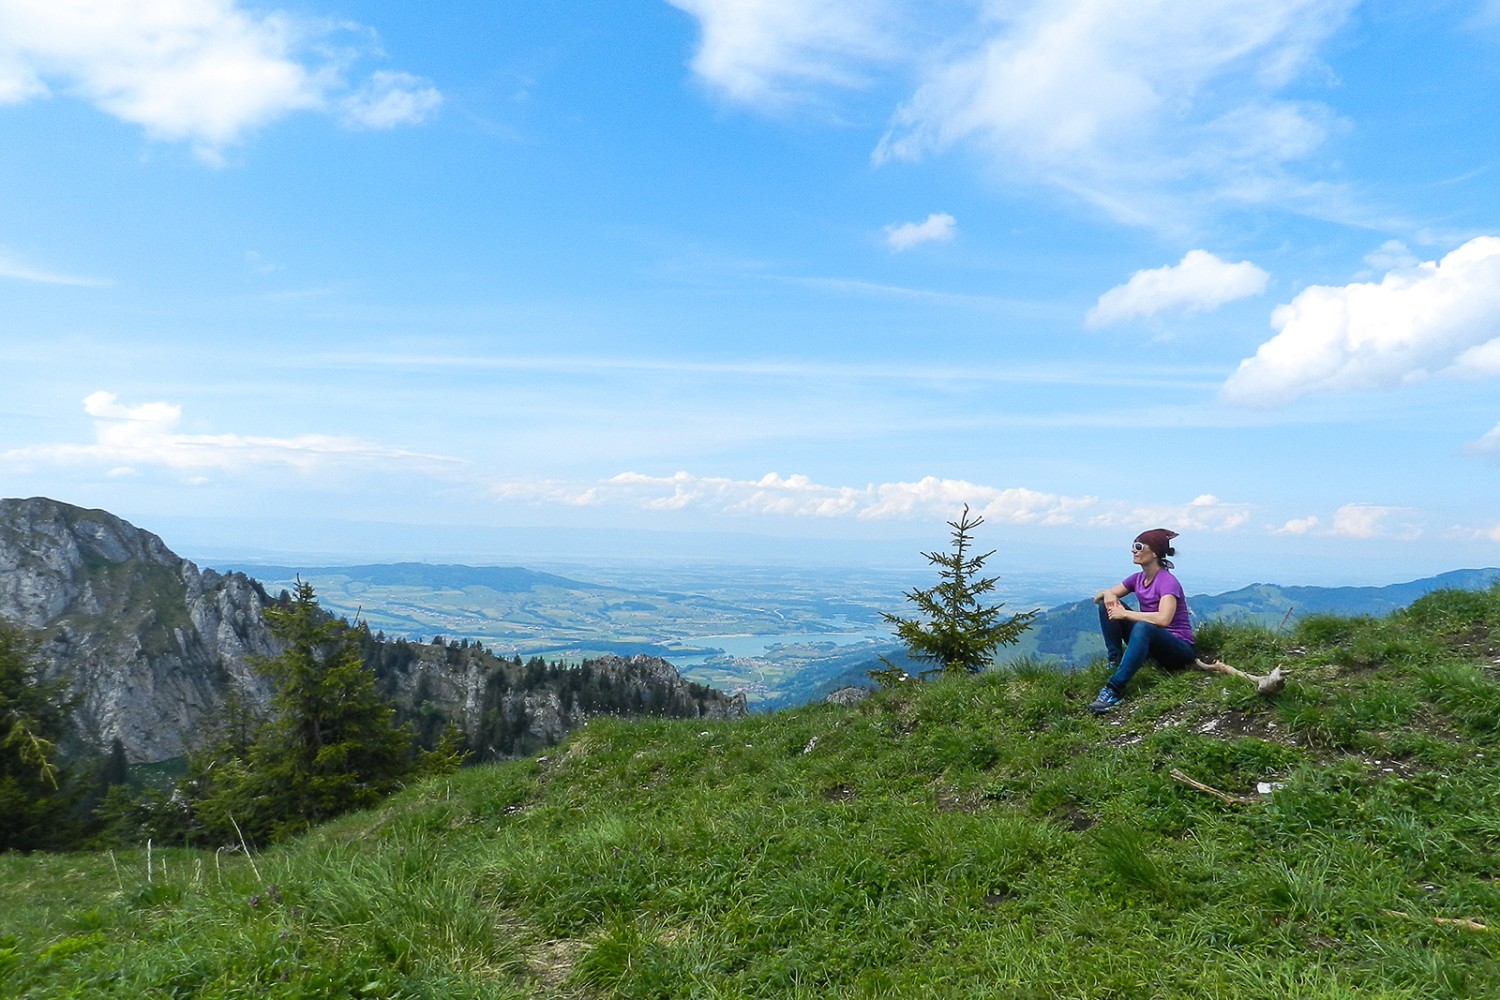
(1137, 546)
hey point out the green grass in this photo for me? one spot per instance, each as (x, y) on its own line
(972, 837)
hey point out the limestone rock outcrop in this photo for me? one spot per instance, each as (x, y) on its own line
(152, 644)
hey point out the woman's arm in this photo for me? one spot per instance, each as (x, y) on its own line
(1162, 616)
(1117, 591)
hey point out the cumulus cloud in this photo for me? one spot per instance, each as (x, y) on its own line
(129, 438)
(1197, 283)
(938, 227)
(1364, 520)
(800, 496)
(1482, 361)
(774, 53)
(1436, 316)
(200, 71)
(1359, 521)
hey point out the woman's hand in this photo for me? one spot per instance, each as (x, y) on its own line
(1117, 611)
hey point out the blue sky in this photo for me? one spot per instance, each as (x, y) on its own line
(472, 281)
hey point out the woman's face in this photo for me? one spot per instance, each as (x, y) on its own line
(1141, 554)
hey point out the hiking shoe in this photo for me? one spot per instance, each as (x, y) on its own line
(1107, 700)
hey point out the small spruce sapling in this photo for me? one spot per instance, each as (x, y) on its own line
(955, 630)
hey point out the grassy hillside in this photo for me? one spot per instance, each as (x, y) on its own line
(975, 837)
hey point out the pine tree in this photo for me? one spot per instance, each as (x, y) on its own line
(331, 745)
(35, 798)
(956, 630)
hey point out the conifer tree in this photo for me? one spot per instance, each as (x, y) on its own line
(331, 745)
(35, 799)
(956, 630)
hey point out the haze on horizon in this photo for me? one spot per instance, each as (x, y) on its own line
(788, 279)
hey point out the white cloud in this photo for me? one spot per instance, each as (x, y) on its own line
(798, 496)
(1131, 106)
(1392, 255)
(1363, 521)
(1198, 283)
(1147, 111)
(199, 71)
(1489, 444)
(1359, 521)
(129, 438)
(774, 53)
(12, 266)
(1203, 513)
(1481, 361)
(1417, 320)
(391, 99)
(938, 227)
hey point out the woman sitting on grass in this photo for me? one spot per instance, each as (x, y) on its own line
(1159, 630)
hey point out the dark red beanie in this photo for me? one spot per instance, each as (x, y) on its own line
(1160, 540)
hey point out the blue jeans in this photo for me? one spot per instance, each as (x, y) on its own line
(1128, 644)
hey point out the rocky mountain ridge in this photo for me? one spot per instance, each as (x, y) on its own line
(154, 646)
(151, 643)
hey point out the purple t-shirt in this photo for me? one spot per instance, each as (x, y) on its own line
(1162, 584)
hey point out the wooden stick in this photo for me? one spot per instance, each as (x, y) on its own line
(1464, 922)
(1269, 684)
(1234, 800)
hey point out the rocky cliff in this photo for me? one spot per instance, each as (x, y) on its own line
(150, 642)
(154, 646)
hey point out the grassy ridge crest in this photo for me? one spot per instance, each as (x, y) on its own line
(971, 837)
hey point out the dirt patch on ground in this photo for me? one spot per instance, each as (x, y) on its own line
(550, 963)
(1234, 725)
(1481, 641)
(1231, 724)
(950, 802)
(840, 793)
(1072, 817)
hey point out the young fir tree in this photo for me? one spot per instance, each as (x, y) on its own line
(331, 745)
(956, 630)
(35, 798)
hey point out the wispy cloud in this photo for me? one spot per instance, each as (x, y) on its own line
(1146, 111)
(1130, 106)
(146, 435)
(938, 227)
(1198, 283)
(200, 71)
(389, 100)
(798, 496)
(1063, 372)
(13, 266)
(778, 53)
(1489, 445)
(1436, 316)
